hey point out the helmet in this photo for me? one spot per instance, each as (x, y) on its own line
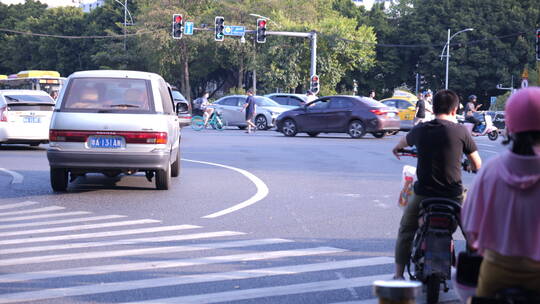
(522, 110)
(471, 97)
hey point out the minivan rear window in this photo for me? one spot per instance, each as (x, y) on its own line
(114, 95)
(20, 98)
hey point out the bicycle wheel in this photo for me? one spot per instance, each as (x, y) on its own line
(219, 123)
(197, 123)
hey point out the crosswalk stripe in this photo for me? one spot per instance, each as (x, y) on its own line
(37, 210)
(42, 216)
(79, 227)
(103, 269)
(66, 221)
(254, 293)
(168, 238)
(96, 234)
(223, 276)
(118, 253)
(17, 205)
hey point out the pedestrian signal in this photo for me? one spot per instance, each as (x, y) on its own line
(177, 26)
(219, 27)
(261, 30)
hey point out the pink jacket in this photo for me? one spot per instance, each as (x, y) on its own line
(502, 210)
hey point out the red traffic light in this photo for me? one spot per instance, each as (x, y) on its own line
(178, 18)
(315, 78)
(262, 23)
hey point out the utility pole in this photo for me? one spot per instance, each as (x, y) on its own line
(254, 67)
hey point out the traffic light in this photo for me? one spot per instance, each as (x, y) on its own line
(314, 86)
(219, 28)
(261, 30)
(538, 44)
(177, 26)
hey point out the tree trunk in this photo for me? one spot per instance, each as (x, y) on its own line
(185, 72)
(241, 74)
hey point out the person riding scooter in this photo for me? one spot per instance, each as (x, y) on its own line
(470, 109)
(501, 214)
(441, 143)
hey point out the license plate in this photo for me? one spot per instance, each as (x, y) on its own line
(106, 142)
(31, 119)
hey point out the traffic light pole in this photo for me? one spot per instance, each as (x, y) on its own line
(312, 36)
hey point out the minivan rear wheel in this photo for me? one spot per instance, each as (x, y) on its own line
(175, 167)
(163, 178)
(59, 179)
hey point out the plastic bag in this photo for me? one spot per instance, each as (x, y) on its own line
(407, 181)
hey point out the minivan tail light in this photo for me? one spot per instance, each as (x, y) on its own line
(130, 137)
(3, 114)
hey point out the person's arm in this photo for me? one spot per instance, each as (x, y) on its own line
(476, 161)
(400, 145)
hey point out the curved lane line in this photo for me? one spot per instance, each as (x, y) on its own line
(262, 189)
(17, 178)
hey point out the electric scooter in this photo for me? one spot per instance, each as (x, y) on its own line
(485, 128)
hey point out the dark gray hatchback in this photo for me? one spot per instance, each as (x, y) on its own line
(353, 115)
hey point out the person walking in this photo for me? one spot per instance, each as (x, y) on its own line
(250, 107)
(372, 94)
(501, 214)
(420, 110)
(440, 143)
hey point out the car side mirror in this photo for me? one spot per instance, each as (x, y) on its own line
(182, 108)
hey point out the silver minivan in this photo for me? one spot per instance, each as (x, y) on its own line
(114, 122)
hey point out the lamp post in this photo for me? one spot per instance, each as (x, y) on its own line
(447, 47)
(126, 11)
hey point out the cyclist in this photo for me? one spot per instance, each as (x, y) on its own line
(502, 210)
(440, 144)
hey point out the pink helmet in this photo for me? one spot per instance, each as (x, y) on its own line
(522, 110)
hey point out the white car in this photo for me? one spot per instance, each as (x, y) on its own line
(114, 122)
(266, 111)
(25, 116)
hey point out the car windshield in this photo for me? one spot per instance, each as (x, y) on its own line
(177, 95)
(266, 102)
(108, 95)
(28, 99)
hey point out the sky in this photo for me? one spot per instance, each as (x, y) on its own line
(50, 3)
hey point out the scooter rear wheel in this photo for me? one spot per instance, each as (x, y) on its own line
(433, 286)
(493, 135)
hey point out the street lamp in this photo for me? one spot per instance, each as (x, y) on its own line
(263, 17)
(447, 47)
(126, 11)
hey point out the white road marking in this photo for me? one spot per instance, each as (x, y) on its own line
(127, 252)
(212, 277)
(353, 292)
(41, 216)
(44, 209)
(275, 291)
(262, 189)
(79, 227)
(485, 145)
(17, 205)
(490, 151)
(443, 297)
(67, 221)
(96, 234)
(169, 238)
(16, 177)
(104, 269)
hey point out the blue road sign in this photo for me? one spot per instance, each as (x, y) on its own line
(234, 30)
(188, 28)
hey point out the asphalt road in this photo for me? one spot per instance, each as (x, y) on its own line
(253, 218)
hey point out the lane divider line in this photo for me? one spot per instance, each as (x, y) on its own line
(16, 177)
(262, 189)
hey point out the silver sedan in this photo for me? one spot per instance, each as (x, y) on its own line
(266, 112)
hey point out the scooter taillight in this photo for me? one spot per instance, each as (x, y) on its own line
(439, 222)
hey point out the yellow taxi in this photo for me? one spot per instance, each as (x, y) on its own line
(405, 102)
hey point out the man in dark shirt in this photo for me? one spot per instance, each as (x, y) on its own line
(250, 107)
(440, 144)
(420, 110)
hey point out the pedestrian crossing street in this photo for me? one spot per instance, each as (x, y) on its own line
(52, 255)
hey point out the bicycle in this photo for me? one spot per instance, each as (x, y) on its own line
(215, 121)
